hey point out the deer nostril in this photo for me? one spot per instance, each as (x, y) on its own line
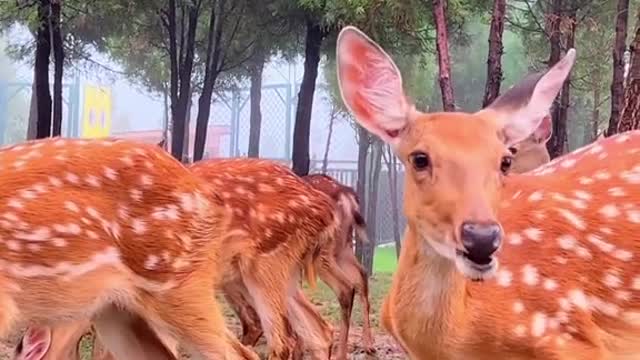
(480, 240)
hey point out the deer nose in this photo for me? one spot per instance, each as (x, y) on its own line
(480, 240)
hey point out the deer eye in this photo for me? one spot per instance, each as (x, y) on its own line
(505, 164)
(420, 161)
(513, 150)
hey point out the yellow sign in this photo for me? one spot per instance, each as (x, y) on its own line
(96, 114)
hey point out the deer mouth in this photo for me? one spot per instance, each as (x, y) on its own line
(476, 269)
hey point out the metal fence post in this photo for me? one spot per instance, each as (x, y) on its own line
(287, 125)
(73, 118)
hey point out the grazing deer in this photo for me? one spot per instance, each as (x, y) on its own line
(91, 226)
(62, 342)
(343, 263)
(564, 283)
(287, 222)
(532, 151)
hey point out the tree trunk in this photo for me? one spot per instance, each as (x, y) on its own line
(181, 69)
(361, 184)
(41, 70)
(212, 70)
(595, 113)
(494, 66)
(617, 84)
(392, 168)
(255, 115)
(302, 128)
(629, 118)
(58, 63)
(327, 147)
(187, 133)
(555, 145)
(560, 131)
(165, 125)
(32, 125)
(444, 63)
(372, 213)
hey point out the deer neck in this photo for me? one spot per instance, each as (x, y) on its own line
(438, 289)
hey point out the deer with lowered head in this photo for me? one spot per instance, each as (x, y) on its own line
(93, 228)
(544, 265)
(342, 263)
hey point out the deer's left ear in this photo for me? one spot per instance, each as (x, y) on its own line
(522, 109)
(34, 344)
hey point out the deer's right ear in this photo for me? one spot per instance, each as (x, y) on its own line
(371, 85)
(35, 343)
(521, 109)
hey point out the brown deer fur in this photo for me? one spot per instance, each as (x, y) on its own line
(561, 280)
(343, 263)
(89, 224)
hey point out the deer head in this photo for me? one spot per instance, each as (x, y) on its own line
(532, 152)
(456, 162)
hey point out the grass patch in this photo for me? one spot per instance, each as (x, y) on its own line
(384, 260)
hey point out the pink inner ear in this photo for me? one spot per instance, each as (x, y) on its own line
(371, 85)
(36, 353)
(543, 132)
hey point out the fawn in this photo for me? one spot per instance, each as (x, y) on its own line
(343, 260)
(286, 223)
(564, 282)
(91, 228)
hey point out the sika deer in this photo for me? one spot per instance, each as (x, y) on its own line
(87, 225)
(532, 152)
(340, 251)
(286, 222)
(567, 286)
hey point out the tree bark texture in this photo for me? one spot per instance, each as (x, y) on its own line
(212, 70)
(302, 128)
(41, 69)
(255, 114)
(361, 184)
(629, 119)
(444, 62)
(392, 168)
(32, 125)
(494, 58)
(556, 143)
(372, 205)
(181, 54)
(58, 65)
(565, 96)
(617, 83)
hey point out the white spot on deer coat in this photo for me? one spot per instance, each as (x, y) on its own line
(55, 182)
(612, 280)
(151, 262)
(579, 299)
(504, 277)
(566, 242)
(110, 174)
(92, 180)
(572, 218)
(135, 194)
(538, 324)
(535, 196)
(616, 192)
(15, 203)
(139, 226)
(609, 211)
(550, 284)
(72, 178)
(71, 206)
(518, 307)
(600, 243)
(534, 234)
(530, 275)
(520, 330)
(39, 234)
(583, 195)
(633, 216)
(514, 239)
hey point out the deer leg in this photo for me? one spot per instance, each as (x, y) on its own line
(268, 289)
(191, 314)
(355, 272)
(236, 296)
(310, 327)
(123, 337)
(331, 274)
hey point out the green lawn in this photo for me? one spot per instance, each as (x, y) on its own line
(384, 260)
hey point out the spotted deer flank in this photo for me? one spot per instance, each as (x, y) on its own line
(496, 265)
(286, 222)
(78, 237)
